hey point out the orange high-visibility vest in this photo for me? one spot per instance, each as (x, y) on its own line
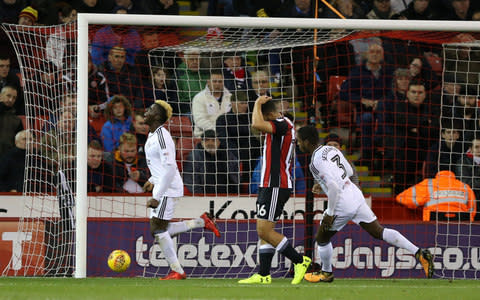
(443, 194)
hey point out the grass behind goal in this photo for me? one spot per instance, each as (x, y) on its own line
(142, 288)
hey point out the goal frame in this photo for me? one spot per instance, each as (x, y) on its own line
(84, 20)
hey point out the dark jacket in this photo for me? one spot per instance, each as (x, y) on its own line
(211, 174)
(12, 170)
(10, 125)
(101, 176)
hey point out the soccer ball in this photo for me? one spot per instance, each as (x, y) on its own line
(119, 261)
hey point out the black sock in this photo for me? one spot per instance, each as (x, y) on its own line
(291, 253)
(266, 261)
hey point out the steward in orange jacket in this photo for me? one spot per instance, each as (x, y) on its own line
(445, 195)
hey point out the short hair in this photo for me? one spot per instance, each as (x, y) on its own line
(215, 72)
(416, 82)
(239, 96)
(209, 134)
(139, 112)
(309, 133)
(94, 144)
(269, 107)
(128, 138)
(4, 56)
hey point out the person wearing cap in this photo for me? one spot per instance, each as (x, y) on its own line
(28, 16)
(334, 140)
(211, 168)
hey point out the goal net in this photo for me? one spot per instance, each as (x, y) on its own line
(211, 71)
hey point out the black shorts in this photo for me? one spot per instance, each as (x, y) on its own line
(270, 202)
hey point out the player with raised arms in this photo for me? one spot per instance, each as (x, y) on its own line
(167, 186)
(332, 171)
(274, 189)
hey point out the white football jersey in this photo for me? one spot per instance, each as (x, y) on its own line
(329, 164)
(160, 154)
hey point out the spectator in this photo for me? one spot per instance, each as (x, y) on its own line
(236, 76)
(13, 164)
(10, 123)
(119, 119)
(10, 9)
(163, 89)
(190, 79)
(28, 16)
(260, 87)
(140, 129)
(445, 154)
(210, 103)
(386, 108)
(109, 37)
(162, 7)
(210, 168)
(462, 64)
(348, 8)
(235, 133)
(99, 172)
(468, 168)
(130, 171)
(93, 6)
(459, 10)
(98, 95)
(381, 10)
(465, 109)
(131, 7)
(8, 77)
(443, 198)
(420, 72)
(66, 13)
(121, 77)
(299, 9)
(418, 10)
(415, 128)
(366, 85)
(59, 143)
(476, 15)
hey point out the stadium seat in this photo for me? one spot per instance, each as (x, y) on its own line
(180, 126)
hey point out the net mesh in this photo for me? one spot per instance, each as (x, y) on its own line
(135, 65)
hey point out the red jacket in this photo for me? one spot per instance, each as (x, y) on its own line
(443, 193)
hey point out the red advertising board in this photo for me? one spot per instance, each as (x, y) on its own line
(22, 249)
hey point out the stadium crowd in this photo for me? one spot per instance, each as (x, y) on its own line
(392, 88)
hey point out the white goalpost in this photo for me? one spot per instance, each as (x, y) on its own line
(260, 42)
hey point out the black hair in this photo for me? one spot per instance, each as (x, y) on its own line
(268, 107)
(308, 133)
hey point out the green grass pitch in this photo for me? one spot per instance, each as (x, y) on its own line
(148, 288)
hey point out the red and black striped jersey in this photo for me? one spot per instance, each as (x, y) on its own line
(277, 154)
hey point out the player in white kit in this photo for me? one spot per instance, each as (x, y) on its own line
(332, 172)
(166, 185)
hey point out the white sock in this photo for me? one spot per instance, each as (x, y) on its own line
(179, 227)
(395, 238)
(326, 253)
(165, 242)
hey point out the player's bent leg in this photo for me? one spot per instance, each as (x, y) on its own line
(325, 252)
(426, 260)
(266, 231)
(256, 279)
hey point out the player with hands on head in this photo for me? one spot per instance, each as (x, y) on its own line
(274, 189)
(167, 186)
(332, 172)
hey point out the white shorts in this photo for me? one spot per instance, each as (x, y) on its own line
(165, 208)
(352, 207)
